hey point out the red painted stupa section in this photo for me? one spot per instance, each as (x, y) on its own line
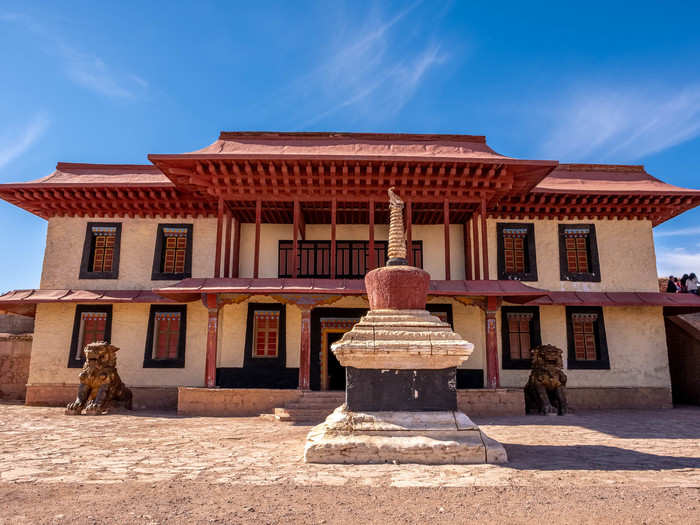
(397, 287)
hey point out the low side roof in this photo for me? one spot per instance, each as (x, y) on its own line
(606, 179)
(68, 173)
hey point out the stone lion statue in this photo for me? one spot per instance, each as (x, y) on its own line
(100, 384)
(545, 392)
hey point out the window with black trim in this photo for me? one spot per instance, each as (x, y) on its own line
(587, 344)
(578, 253)
(173, 254)
(520, 329)
(442, 311)
(101, 251)
(166, 337)
(92, 323)
(265, 336)
(517, 259)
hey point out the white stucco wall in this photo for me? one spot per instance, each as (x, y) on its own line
(53, 331)
(64, 250)
(636, 339)
(625, 252)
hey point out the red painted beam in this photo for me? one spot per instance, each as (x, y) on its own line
(409, 232)
(446, 222)
(372, 252)
(305, 351)
(212, 340)
(227, 246)
(334, 211)
(219, 234)
(295, 242)
(258, 220)
(475, 242)
(467, 253)
(492, 372)
(484, 239)
(235, 262)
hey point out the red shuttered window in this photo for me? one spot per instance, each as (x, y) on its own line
(514, 242)
(175, 250)
(266, 333)
(576, 244)
(519, 330)
(584, 336)
(93, 326)
(166, 335)
(104, 240)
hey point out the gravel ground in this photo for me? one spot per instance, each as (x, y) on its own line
(608, 466)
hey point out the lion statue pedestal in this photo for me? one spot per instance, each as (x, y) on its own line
(545, 392)
(100, 384)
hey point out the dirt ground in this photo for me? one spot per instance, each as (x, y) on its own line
(612, 466)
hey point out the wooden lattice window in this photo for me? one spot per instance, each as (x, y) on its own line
(93, 326)
(266, 327)
(175, 250)
(519, 334)
(101, 251)
(166, 334)
(584, 336)
(577, 252)
(104, 240)
(92, 323)
(514, 249)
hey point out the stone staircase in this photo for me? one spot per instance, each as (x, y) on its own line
(311, 407)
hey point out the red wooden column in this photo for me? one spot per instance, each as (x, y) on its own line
(467, 253)
(492, 376)
(334, 211)
(446, 221)
(372, 251)
(219, 234)
(235, 263)
(295, 241)
(475, 231)
(484, 239)
(258, 219)
(227, 248)
(409, 232)
(212, 339)
(305, 350)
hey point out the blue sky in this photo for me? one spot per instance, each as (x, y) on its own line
(114, 81)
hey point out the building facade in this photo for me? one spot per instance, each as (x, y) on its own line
(238, 265)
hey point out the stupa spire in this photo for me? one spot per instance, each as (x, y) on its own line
(397, 238)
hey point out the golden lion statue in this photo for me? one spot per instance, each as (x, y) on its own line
(100, 384)
(545, 392)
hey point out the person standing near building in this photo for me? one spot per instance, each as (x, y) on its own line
(692, 284)
(683, 280)
(673, 285)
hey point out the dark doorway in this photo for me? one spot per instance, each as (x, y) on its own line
(336, 372)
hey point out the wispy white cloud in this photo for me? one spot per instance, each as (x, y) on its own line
(622, 123)
(16, 141)
(82, 68)
(375, 73)
(677, 261)
(677, 232)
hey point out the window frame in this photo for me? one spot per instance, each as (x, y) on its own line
(603, 361)
(268, 363)
(80, 309)
(179, 361)
(445, 308)
(531, 253)
(157, 274)
(593, 262)
(507, 362)
(88, 250)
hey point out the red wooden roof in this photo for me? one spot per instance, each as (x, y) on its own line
(24, 302)
(350, 168)
(191, 289)
(683, 301)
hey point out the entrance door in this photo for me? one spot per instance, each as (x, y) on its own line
(336, 372)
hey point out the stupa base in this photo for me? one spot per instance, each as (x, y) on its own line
(432, 438)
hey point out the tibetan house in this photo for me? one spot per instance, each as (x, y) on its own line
(225, 274)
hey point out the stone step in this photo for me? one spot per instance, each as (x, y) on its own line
(301, 415)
